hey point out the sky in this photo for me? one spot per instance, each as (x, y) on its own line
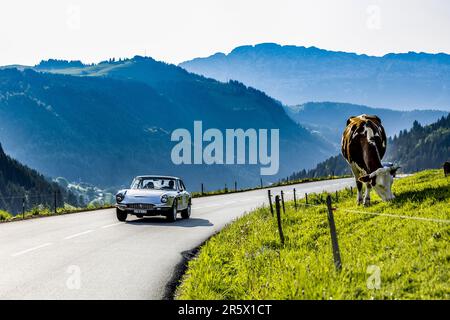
(178, 30)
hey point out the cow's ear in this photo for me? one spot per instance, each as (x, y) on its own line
(365, 178)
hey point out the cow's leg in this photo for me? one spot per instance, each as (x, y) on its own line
(367, 195)
(359, 186)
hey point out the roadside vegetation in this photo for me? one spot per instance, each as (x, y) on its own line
(45, 211)
(383, 257)
(105, 200)
(283, 182)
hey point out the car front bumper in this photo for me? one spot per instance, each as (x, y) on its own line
(144, 209)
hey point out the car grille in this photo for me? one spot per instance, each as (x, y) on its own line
(144, 206)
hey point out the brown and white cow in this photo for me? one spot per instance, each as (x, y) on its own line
(363, 146)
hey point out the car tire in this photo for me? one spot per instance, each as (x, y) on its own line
(172, 215)
(186, 213)
(121, 215)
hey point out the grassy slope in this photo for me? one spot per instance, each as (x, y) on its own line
(246, 261)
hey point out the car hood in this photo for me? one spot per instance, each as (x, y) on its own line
(139, 195)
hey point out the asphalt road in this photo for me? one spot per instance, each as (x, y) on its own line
(91, 255)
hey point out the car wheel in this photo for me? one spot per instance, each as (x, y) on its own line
(139, 215)
(172, 215)
(121, 215)
(186, 213)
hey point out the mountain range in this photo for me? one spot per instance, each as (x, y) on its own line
(106, 123)
(296, 75)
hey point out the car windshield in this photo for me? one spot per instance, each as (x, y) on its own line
(154, 183)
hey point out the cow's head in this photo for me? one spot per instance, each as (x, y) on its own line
(381, 180)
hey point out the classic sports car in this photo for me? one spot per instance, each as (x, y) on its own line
(154, 196)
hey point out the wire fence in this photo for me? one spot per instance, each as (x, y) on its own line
(35, 204)
(382, 214)
(326, 205)
(390, 215)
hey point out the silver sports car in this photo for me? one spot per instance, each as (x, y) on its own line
(154, 196)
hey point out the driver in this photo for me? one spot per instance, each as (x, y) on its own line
(149, 185)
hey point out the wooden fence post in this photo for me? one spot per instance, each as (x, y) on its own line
(270, 201)
(280, 228)
(23, 207)
(295, 201)
(334, 240)
(54, 201)
(282, 201)
(337, 197)
(306, 198)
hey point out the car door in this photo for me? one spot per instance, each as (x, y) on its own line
(184, 194)
(181, 200)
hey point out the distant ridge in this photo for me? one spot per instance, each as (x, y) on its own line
(296, 75)
(329, 118)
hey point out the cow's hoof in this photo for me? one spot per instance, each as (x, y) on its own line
(367, 202)
(358, 202)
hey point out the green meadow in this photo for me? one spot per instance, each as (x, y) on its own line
(392, 254)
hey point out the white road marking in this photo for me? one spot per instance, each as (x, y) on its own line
(31, 249)
(227, 202)
(208, 206)
(78, 234)
(112, 225)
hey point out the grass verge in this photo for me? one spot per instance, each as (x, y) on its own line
(39, 212)
(273, 185)
(410, 258)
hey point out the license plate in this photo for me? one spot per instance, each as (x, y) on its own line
(140, 211)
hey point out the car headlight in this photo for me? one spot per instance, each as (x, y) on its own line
(120, 197)
(164, 198)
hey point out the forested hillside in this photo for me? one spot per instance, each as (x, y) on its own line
(18, 182)
(422, 147)
(106, 123)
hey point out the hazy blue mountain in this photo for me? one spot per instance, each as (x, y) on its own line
(329, 118)
(105, 123)
(421, 147)
(296, 75)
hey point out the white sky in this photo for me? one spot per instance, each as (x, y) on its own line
(178, 30)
